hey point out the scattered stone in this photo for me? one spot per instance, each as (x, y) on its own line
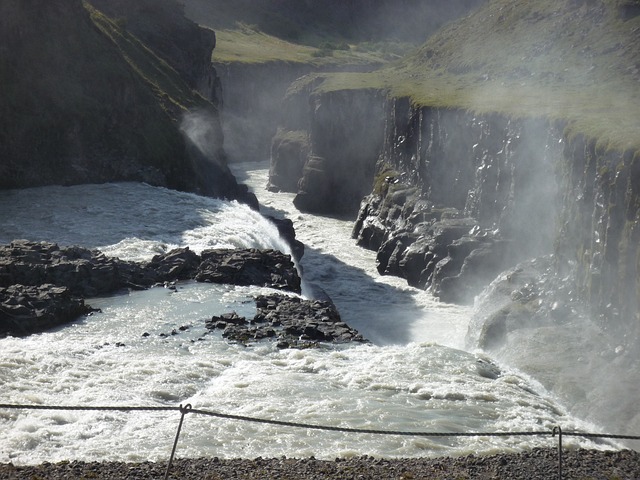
(535, 464)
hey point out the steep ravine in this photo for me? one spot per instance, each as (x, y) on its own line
(459, 200)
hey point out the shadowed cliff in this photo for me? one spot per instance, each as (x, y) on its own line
(85, 101)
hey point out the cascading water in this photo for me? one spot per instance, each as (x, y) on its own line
(151, 348)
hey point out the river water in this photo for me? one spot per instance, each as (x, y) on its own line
(415, 376)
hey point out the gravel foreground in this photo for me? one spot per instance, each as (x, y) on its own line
(537, 464)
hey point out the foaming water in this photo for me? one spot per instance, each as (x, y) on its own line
(132, 221)
(384, 308)
(151, 348)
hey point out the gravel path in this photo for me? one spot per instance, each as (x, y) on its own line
(537, 464)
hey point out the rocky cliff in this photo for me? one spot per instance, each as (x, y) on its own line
(458, 197)
(86, 101)
(538, 226)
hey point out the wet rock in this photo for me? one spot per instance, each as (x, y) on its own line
(29, 309)
(288, 233)
(63, 276)
(291, 322)
(266, 268)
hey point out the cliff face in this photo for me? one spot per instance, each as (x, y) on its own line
(538, 229)
(458, 198)
(599, 237)
(162, 26)
(84, 101)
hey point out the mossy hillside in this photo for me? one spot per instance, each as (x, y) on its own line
(168, 86)
(247, 45)
(570, 60)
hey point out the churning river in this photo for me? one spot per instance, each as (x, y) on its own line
(415, 376)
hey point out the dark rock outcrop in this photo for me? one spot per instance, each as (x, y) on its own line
(457, 199)
(265, 268)
(67, 119)
(336, 169)
(31, 309)
(42, 284)
(292, 322)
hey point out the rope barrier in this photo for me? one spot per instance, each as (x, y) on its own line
(189, 409)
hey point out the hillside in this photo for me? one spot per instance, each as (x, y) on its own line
(312, 22)
(573, 60)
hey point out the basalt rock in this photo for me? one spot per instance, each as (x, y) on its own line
(265, 268)
(291, 322)
(289, 153)
(288, 233)
(457, 199)
(44, 285)
(30, 309)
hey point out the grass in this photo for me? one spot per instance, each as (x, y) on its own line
(247, 45)
(578, 62)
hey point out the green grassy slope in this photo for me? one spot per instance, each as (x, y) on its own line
(574, 60)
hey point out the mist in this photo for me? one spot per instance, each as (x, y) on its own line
(561, 307)
(202, 129)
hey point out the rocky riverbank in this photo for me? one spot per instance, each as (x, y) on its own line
(43, 285)
(537, 464)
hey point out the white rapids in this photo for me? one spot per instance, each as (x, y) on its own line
(151, 348)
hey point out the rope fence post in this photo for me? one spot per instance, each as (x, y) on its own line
(558, 430)
(183, 411)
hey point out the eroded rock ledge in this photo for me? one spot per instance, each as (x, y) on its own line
(43, 285)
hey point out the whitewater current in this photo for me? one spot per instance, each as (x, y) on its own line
(151, 348)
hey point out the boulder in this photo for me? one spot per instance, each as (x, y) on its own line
(265, 268)
(290, 321)
(30, 309)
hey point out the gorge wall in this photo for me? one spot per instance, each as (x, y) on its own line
(251, 100)
(456, 198)
(540, 229)
(85, 100)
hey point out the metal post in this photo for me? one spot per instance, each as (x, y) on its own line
(183, 411)
(558, 430)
